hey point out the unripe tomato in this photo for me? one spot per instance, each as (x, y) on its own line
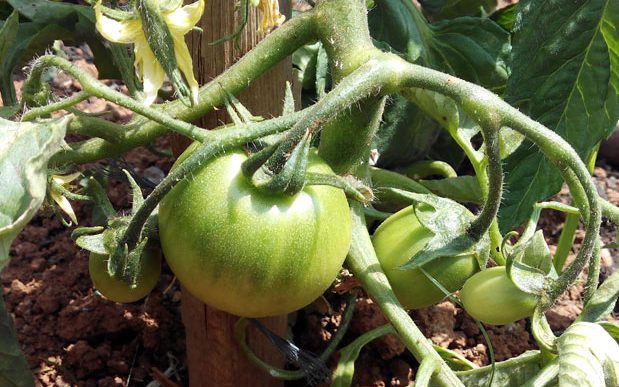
(119, 291)
(491, 297)
(400, 237)
(250, 253)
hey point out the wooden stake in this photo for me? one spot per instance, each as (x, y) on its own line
(213, 356)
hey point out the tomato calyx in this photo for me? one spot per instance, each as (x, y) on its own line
(124, 262)
(293, 176)
(277, 169)
(529, 264)
(449, 222)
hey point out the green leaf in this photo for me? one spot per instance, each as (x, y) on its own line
(93, 243)
(603, 301)
(14, 370)
(304, 60)
(342, 377)
(529, 263)
(441, 108)
(611, 328)
(506, 17)
(537, 254)
(472, 48)
(475, 49)
(25, 149)
(393, 23)
(322, 71)
(509, 373)
(8, 33)
(9, 111)
(49, 21)
(44, 11)
(588, 356)
(566, 76)
(461, 189)
(32, 38)
(449, 9)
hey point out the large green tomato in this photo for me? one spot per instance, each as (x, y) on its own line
(400, 237)
(490, 296)
(119, 291)
(249, 253)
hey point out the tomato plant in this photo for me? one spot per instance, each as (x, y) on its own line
(491, 297)
(387, 88)
(118, 290)
(248, 252)
(400, 237)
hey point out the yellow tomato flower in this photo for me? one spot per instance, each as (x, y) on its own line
(58, 197)
(271, 18)
(179, 21)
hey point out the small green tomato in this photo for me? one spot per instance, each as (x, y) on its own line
(491, 297)
(119, 291)
(400, 237)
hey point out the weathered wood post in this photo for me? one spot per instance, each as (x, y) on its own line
(213, 357)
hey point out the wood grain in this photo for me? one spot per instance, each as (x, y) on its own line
(213, 357)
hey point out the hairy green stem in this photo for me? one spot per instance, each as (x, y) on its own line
(215, 143)
(365, 81)
(593, 277)
(94, 87)
(483, 105)
(365, 266)
(482, 222)
(52, 107)
(360, 194)
(610, 211)
(424, 168)
(278, 45)
(97, 127)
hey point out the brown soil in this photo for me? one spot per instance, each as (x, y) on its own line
(73, 336)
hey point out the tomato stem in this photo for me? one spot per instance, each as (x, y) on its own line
(487, 108)
(365, 266)
(219, 141)
(94, 87)
(280, 43)
(65, 103)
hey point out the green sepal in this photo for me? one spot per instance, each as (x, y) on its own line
(449, 221)
(611, 328)
(137, 197)
(529, 263)
(272, 173)
(603, 301)
(160, 41)
(133, 265)
(90, 238)
(542, 332)
(456, 361)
